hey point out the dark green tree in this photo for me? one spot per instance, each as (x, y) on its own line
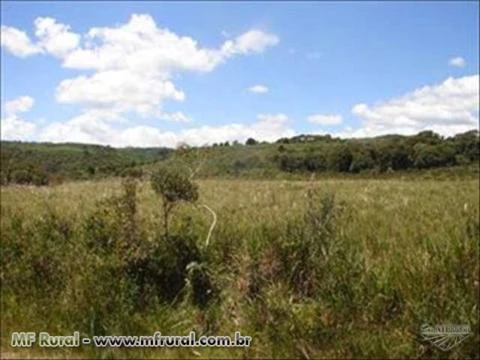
(467, 145)
(340, 158)
(251, 141)
(362, 159)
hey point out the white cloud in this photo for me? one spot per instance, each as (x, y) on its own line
(258, 89)
(14, 128)
(122, 90)
(55, 38)
(133, 68)
(133, 63)
(268, 127)
(177, 116)
(251, 41)
(18, 42)
(457, 61)
(20, 104)
(447, 108)
(88, 129)
(141, 46)
(92, 126)
(321, 119)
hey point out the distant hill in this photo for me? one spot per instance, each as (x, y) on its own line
(46, 162)
(43, 163)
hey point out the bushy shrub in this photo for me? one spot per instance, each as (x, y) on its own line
(34, 254)
(339, 158)
(290, 162)
(427, 156)
(29, 176)
(113, 224)
(173, 185)
(315, 162)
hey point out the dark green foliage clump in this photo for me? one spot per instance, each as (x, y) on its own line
(29, 176)
(161, 273)
(174, 185)
(251, 141)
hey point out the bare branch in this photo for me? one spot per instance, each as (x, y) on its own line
(212, 226)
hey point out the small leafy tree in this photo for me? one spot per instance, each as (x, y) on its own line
(173, 185)
(251, 141)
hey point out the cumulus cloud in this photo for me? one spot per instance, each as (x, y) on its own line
(20, 104)
(92, 128)
(121, 90)
(321, 119)
(133, 63)
(139, 45)
(258, 89)
(131, 68)
(12, 126)
(252, 41)
(18, 42)
(52, 38)
(55, 38)
(177, 116)
(457, 61)
(447, 108)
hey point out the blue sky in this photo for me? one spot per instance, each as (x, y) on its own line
(351, 69)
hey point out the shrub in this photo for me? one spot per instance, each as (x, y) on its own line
(30, 177)
(21, 177)
(251, 141)
(427, 156)
(199, 283)
(315, 162)
(173, 185)
(113, 225)
(340, 158)
(162, 271)
(290, 162)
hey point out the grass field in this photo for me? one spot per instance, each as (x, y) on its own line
(321, 269)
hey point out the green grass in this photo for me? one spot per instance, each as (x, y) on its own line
(328, 269)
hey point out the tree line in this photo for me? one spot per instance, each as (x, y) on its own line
(42, 163)
(388, 153)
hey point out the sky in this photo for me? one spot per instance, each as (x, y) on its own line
(170, 73)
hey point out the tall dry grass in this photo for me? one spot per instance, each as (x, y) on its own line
(333, 268)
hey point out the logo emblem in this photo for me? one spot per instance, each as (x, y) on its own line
(445, 337)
